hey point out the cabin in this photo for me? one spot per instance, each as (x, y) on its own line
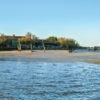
(48, 45)
(11, 43)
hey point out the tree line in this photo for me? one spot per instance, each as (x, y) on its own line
(30, 40)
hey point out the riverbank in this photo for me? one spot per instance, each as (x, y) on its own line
(51, 56)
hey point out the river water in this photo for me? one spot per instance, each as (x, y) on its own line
(21, 80)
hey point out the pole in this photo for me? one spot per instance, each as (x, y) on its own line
(43, 45)
(31, 47)
(19, 46)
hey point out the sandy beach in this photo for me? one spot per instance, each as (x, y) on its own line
(51, 56)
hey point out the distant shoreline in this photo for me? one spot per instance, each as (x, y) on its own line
(51, 56)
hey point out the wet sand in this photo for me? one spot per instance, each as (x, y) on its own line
(51, 56)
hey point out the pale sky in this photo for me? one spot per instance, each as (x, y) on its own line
(77, 19)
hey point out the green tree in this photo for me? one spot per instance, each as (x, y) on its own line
(29, 39)
(62, 42)
(2, 40)
(69, 44)
(52, 39)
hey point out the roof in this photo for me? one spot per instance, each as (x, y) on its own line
(14, 37)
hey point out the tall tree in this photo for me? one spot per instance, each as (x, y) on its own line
(52, 39)
(69, 44)
(29, 39)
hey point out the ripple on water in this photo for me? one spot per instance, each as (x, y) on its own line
(49, 81)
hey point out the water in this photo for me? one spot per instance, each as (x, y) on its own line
(21, 80)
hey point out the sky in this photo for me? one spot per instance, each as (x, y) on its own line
(77, 19)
